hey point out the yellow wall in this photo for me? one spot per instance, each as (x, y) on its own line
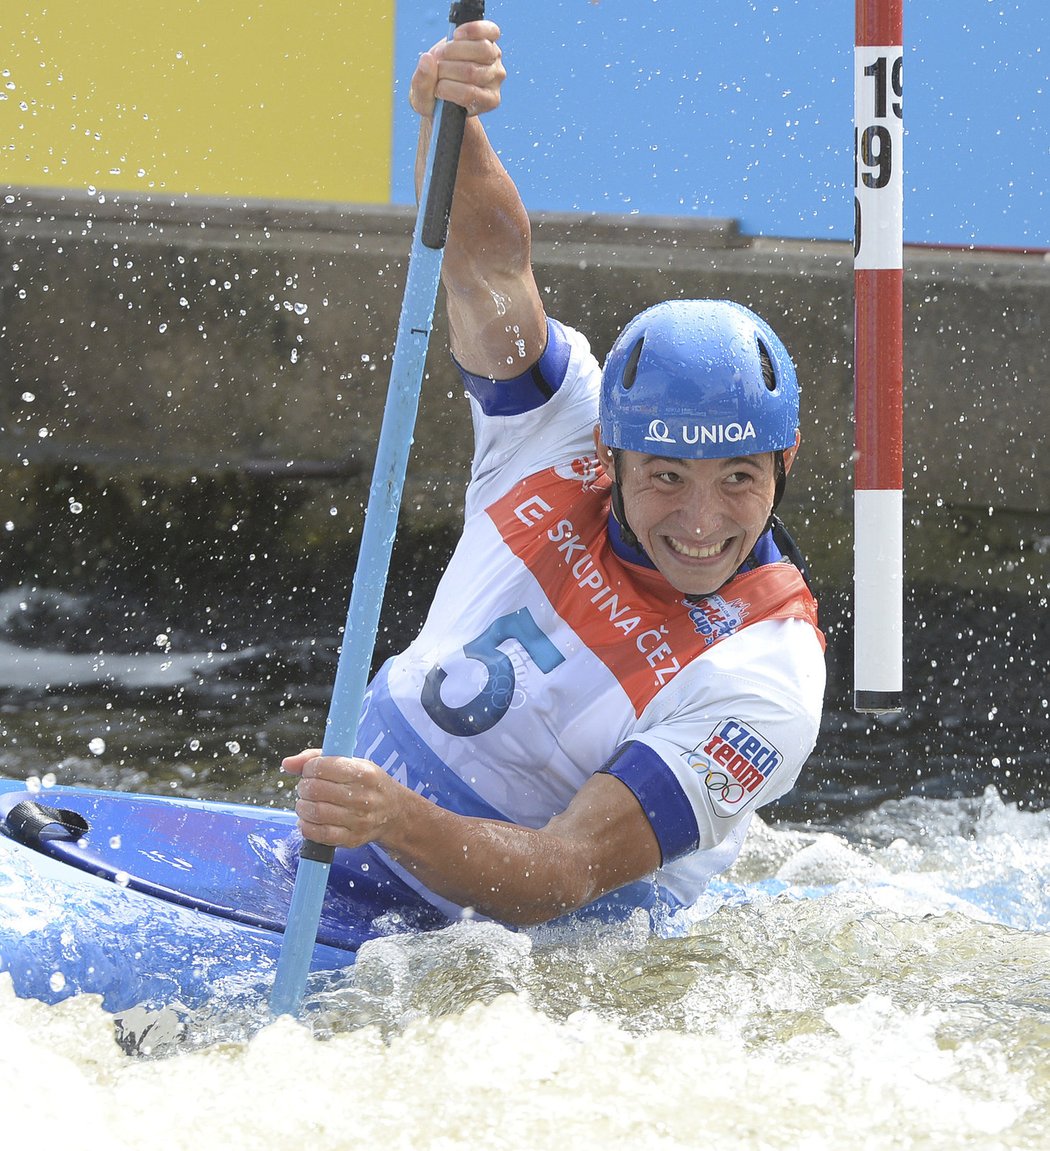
(246, 98)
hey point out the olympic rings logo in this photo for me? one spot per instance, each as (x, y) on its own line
(722, 786)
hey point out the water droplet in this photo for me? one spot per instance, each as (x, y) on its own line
(97, 746)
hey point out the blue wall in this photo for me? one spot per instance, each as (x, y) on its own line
(745, 110)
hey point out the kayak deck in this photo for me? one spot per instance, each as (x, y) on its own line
(160, 897)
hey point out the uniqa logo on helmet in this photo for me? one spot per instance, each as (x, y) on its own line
(700, 434)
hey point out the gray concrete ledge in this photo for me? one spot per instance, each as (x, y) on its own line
(155, 344)
(188, 334)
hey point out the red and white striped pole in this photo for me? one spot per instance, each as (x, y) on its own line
(878, 360)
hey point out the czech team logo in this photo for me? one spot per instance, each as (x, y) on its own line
(734, 763)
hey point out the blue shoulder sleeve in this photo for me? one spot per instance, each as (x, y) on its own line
(532, 388)
(665, 804)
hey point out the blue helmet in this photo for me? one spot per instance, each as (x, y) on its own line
(685, 379)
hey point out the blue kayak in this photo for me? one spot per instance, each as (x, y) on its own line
(154, 900)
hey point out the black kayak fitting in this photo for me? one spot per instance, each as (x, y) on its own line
(27, 821)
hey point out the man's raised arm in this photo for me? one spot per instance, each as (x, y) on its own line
(496, 319)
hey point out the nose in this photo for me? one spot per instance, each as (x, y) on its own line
(701, 512)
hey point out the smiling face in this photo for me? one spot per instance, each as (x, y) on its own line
(696, 519)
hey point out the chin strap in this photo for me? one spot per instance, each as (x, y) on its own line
(780, 483)
(789, 549)
(616, 503)
(781, 537)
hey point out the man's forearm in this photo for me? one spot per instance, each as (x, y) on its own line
(521, 875)
(505, 871)
(601, 841)
(490, 237)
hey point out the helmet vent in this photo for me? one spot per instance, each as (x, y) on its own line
(769, 375)
(630, 367)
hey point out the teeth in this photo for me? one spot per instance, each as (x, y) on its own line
(696, 553)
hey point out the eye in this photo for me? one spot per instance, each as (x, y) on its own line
(743, 476)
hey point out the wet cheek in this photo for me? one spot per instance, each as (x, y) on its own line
(755, 506)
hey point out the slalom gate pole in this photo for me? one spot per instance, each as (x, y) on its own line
(878, 262)
(384, 502)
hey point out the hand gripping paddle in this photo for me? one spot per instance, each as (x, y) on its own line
(384, 501)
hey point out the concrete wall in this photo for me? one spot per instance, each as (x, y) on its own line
(158, 349)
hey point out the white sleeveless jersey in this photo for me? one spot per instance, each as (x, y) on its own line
(547, 648)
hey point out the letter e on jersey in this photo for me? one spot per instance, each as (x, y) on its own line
(532, 510)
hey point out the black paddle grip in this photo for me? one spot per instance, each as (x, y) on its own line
(318, 852)
(438, 207)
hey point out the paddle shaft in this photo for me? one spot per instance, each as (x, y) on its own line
(384, 502)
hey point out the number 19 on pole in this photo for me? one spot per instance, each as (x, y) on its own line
(877, 136)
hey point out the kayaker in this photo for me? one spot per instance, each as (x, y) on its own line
(622, 661)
